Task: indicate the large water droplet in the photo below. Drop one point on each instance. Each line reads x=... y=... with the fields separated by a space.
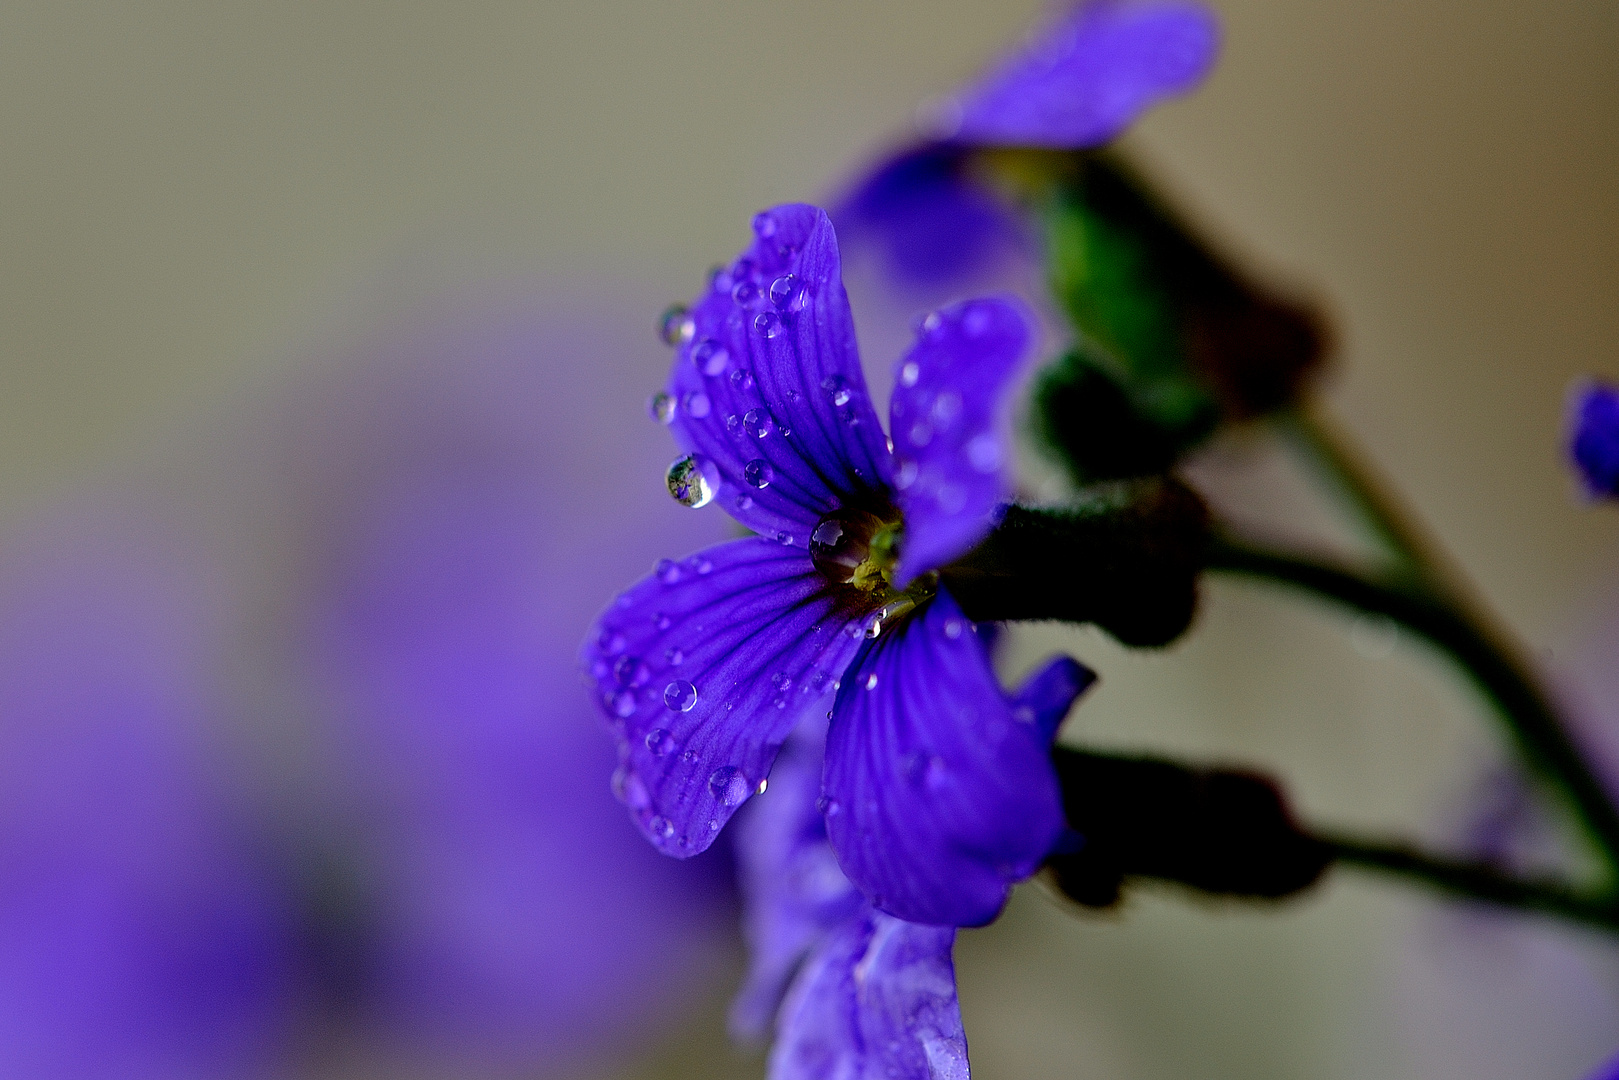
x=680 y=696
x=659 y=742
x=842 y=541
x=693 y=480
x=783 y=291
x=676 y=326
x=757 y=423
x=709 y=356
x=661 y=407
x=758 y=473
x=729 y=786
x=767 y=323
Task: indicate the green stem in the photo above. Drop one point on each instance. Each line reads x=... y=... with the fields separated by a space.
x=1494 y=670
x=1476 y=881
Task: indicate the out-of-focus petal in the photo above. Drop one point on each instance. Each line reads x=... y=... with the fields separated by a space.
x=1594 y=437
x=878 y=1000
x=791 y=885
x=1087 y=76
x=702 y=669
x=1046 y=696
x=1608 y=1071
x=932 y=222
x=951 y=450
x=938 y=799
x=768 y=387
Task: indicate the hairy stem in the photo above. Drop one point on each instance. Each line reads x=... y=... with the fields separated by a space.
x=1493 y=668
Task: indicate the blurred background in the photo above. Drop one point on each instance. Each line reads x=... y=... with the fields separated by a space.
x=327 y=333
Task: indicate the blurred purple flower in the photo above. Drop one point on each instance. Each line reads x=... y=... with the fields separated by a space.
x=1608 y=1071
x=455 y=482
x=143 y=932
x=1076 y=84
x=1593 y=440
x=854 y=992
x=705 y=666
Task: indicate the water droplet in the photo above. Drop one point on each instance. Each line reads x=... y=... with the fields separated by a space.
x=871 y=681
x=622 y=703
x=984 y=453
x=841 y=542
x=768 y=324
x=728 y=784
x=765 y=224
x=760 y=788
x=744 y=502
x=953 y=628
x=610 y=641
x=667 y=571
x=758 y=473
x=629 y=671
x=661 y=407
x=629 y=790
x=674 y=656
x=921 y=433
x=661 y=621
x=733 y=424
x=757 y=422
x=784 y=431
x=660 y=826
x=659 y=742
x=946 y=407
x=680 y=696
x=785 y=539
x=692 y=480
x=676 y=326
x=906 y=474
x=829 y=807
x=780 y=702
x=837 y=389
x=702 y=565
x=709 y=356
x=782 y=681
x=909 y=373
x=786 y=293
x=689 y=757
x=952 y=498
x=697 y=404
x=745 y=292
x=933 y=324
x=742 y=380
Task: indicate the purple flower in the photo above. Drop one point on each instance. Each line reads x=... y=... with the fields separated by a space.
x=854 y=992
x=1076 y=85
x=706 y=665
x=1593 y=442
x=1609 y=1070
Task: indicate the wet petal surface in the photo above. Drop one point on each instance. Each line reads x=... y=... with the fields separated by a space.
x=1049 y=692
x=952 y=447
x=937 y=797
x=877 y=1000
x=1088 y=75
x=793 y=892
x=766 y=384
x=702 y=669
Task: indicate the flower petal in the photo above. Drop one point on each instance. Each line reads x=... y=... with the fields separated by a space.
x=877 y=1000
x=938 y=798
x=951 y=451
x=1593 y=442
x=793 y=892
x=931 y=221
x=768 y=387
x=702 y=669
x=1046 y=696
x=1087 y=76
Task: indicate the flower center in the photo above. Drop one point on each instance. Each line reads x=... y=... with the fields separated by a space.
x=854 y=547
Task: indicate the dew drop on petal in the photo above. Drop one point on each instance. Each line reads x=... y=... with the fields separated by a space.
x=659 y=742
x=667 y=571
x=759 y=789
x=782 y=290
x=629 y=671
x=733 y=424
x=757 y=423
x=837 y=389
x=744 y=502
x=921 y=433
x=946 y=407
x=676 y=326
x=765 y=224
x=729 y=786
x=953 y=628
x=674 y=656
x=709 y=356
x=742 y=380
x=693 y=480
x=661 y=621
x=910 y=373
x=905 y=475
x=758 y=473
x=660 y=827
x=697 y=405
x=661 y=407
x=622 y=703
x=767 y=323
x=745 y=292
x=871 y=681
x=984 y=453
x=702 y=565
x=680 y=696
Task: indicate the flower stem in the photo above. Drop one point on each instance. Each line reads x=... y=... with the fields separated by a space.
x=1494 y=669
x=1475 y=880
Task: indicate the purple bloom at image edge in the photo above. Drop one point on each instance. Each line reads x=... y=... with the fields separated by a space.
x=703 y=668
x=1077 y=84
x=853 y=992
x=1593 y=442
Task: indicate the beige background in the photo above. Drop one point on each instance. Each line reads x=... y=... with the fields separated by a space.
x=194 y=196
